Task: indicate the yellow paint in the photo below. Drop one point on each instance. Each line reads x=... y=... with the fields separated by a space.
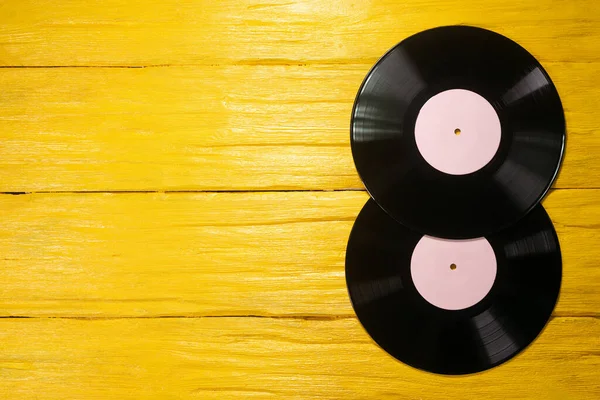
x=157 y=32
x=240 y=358
x=240 y=95
x=223 y=128
x=201 y=254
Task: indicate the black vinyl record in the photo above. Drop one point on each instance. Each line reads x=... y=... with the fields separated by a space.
x=473 y=193
x=386 y=287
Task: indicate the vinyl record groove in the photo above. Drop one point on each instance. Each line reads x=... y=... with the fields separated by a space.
x=490 y=304
x=457 y=132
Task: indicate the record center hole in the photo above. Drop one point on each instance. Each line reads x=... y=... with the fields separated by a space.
x=456 y=132
x=452 y=267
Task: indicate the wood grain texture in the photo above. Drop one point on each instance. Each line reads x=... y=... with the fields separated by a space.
x=219 y=254
x=241 y=295
x=240 y=358
x=216 y=128
x=150 y=32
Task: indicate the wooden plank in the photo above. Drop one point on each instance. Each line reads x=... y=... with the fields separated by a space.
x=150 y=32
x=233 y=358
x=219 y=254
x=216 y=128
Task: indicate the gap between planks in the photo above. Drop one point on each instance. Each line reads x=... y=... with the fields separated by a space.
x=103 y=318
x=185 y=191
x=257 y=316
x=246 y=63
x=241 y=63
x=219 y=191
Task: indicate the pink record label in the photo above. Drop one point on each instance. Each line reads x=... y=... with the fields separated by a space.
x=453 y=274
x=457 y=132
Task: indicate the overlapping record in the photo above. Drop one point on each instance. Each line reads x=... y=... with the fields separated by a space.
x=457 y=132
x=452 y=306
x=453 y=266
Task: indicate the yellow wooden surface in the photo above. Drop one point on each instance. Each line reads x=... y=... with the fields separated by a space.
x=217 y=127
x=258 y=32
x=239 y=358
x=205 y=254
x=147 y=294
